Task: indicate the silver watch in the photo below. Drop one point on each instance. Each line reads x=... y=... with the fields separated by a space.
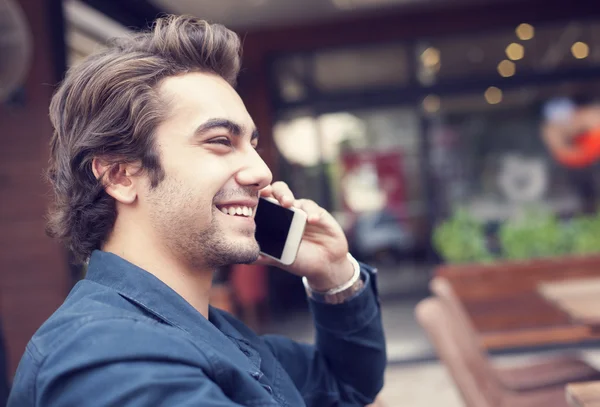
x=339 y=294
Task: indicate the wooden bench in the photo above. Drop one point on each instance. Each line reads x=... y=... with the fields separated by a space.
x=503 y=301
x=584 y=394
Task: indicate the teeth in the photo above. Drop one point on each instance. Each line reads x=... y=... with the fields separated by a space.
x=238 y=210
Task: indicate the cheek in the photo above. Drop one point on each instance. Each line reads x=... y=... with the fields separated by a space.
x=208 y=178
x=204 y=174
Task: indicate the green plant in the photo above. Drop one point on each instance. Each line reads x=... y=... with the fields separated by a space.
x=536 y=234
x=585 y=234
x=461 y=239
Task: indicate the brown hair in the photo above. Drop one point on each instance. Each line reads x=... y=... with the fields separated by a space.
x=108 y=107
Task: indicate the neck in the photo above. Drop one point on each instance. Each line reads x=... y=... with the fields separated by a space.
x=138 y=247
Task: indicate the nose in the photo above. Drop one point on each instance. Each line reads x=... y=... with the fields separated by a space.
x=254 y=171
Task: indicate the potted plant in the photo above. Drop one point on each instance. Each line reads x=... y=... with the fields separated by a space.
x=535 y=234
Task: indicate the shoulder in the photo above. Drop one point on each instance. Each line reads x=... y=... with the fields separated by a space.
x=87 y=307
x=95 y=348
x=122 y=337
x=98 y=323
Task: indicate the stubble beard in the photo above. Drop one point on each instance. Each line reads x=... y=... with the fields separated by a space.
x=200 y=247
x=211 y=247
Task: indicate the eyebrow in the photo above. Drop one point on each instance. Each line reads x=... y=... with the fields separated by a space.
x=232 y=127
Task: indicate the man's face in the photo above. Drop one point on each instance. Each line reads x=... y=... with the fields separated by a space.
x=207 y=147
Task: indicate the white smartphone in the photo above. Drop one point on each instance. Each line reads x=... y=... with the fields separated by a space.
x=279 y=230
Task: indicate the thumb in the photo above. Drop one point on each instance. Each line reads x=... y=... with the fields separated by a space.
x=266 y=261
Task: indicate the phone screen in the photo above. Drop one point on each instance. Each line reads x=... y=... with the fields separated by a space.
x=273 y=224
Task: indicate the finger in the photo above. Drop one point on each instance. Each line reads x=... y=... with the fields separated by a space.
x=316 y=218
x=267 y=191
x=319 y=217
x=313 y=211
x=265 y=261
x=283 y=193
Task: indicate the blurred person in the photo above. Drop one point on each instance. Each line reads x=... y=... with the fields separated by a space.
x=572 y=134
x=152 y=146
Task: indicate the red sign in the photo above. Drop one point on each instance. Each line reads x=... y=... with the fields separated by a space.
x=371 y=177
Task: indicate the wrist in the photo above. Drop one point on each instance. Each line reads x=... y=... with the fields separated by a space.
x=338 y=274
x=340 y=292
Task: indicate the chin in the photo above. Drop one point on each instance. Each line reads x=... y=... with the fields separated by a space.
x=247 y=260
x=244 y=257
x=215 y=248
x=245 y=252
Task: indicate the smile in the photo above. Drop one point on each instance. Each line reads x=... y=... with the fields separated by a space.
x=245 y=211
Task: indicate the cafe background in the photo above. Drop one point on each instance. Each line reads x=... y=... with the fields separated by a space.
x=397 y=135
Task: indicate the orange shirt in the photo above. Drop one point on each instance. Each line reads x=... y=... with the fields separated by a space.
x=587 y=150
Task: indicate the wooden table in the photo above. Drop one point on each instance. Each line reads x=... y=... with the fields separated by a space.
x=579 y=298
x=584 y=394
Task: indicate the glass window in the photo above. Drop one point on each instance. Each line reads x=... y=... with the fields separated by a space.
x=291 y=75
x=360 y=68
x=464 y=127
x=491 y=156
x=366 y=165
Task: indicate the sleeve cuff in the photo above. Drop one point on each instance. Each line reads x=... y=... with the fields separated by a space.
x=354 y=314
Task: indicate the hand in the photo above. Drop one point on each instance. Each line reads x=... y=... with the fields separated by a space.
x=322 y=253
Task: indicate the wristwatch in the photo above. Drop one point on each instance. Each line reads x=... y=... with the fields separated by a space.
x=339 y=294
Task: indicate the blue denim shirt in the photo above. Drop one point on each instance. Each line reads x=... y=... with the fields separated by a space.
x=124 y=338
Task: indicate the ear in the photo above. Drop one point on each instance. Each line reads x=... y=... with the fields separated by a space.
x=118 y=179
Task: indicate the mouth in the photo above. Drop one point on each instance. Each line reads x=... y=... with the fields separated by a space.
x=244 y=211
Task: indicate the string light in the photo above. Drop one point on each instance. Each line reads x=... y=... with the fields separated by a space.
x=493 y=95
x=580 y=50
x=431 y=57
x=515 y=51
x=525 y=31
x=506 y=68
x=431 y=103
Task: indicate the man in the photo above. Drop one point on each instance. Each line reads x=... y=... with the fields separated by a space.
x=151 y=145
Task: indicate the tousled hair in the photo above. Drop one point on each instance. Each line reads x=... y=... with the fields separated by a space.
x=108 y=107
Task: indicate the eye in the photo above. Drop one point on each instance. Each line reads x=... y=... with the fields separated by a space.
x=225 y=141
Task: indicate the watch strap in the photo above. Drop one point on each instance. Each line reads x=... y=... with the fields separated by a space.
x=339 y=294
